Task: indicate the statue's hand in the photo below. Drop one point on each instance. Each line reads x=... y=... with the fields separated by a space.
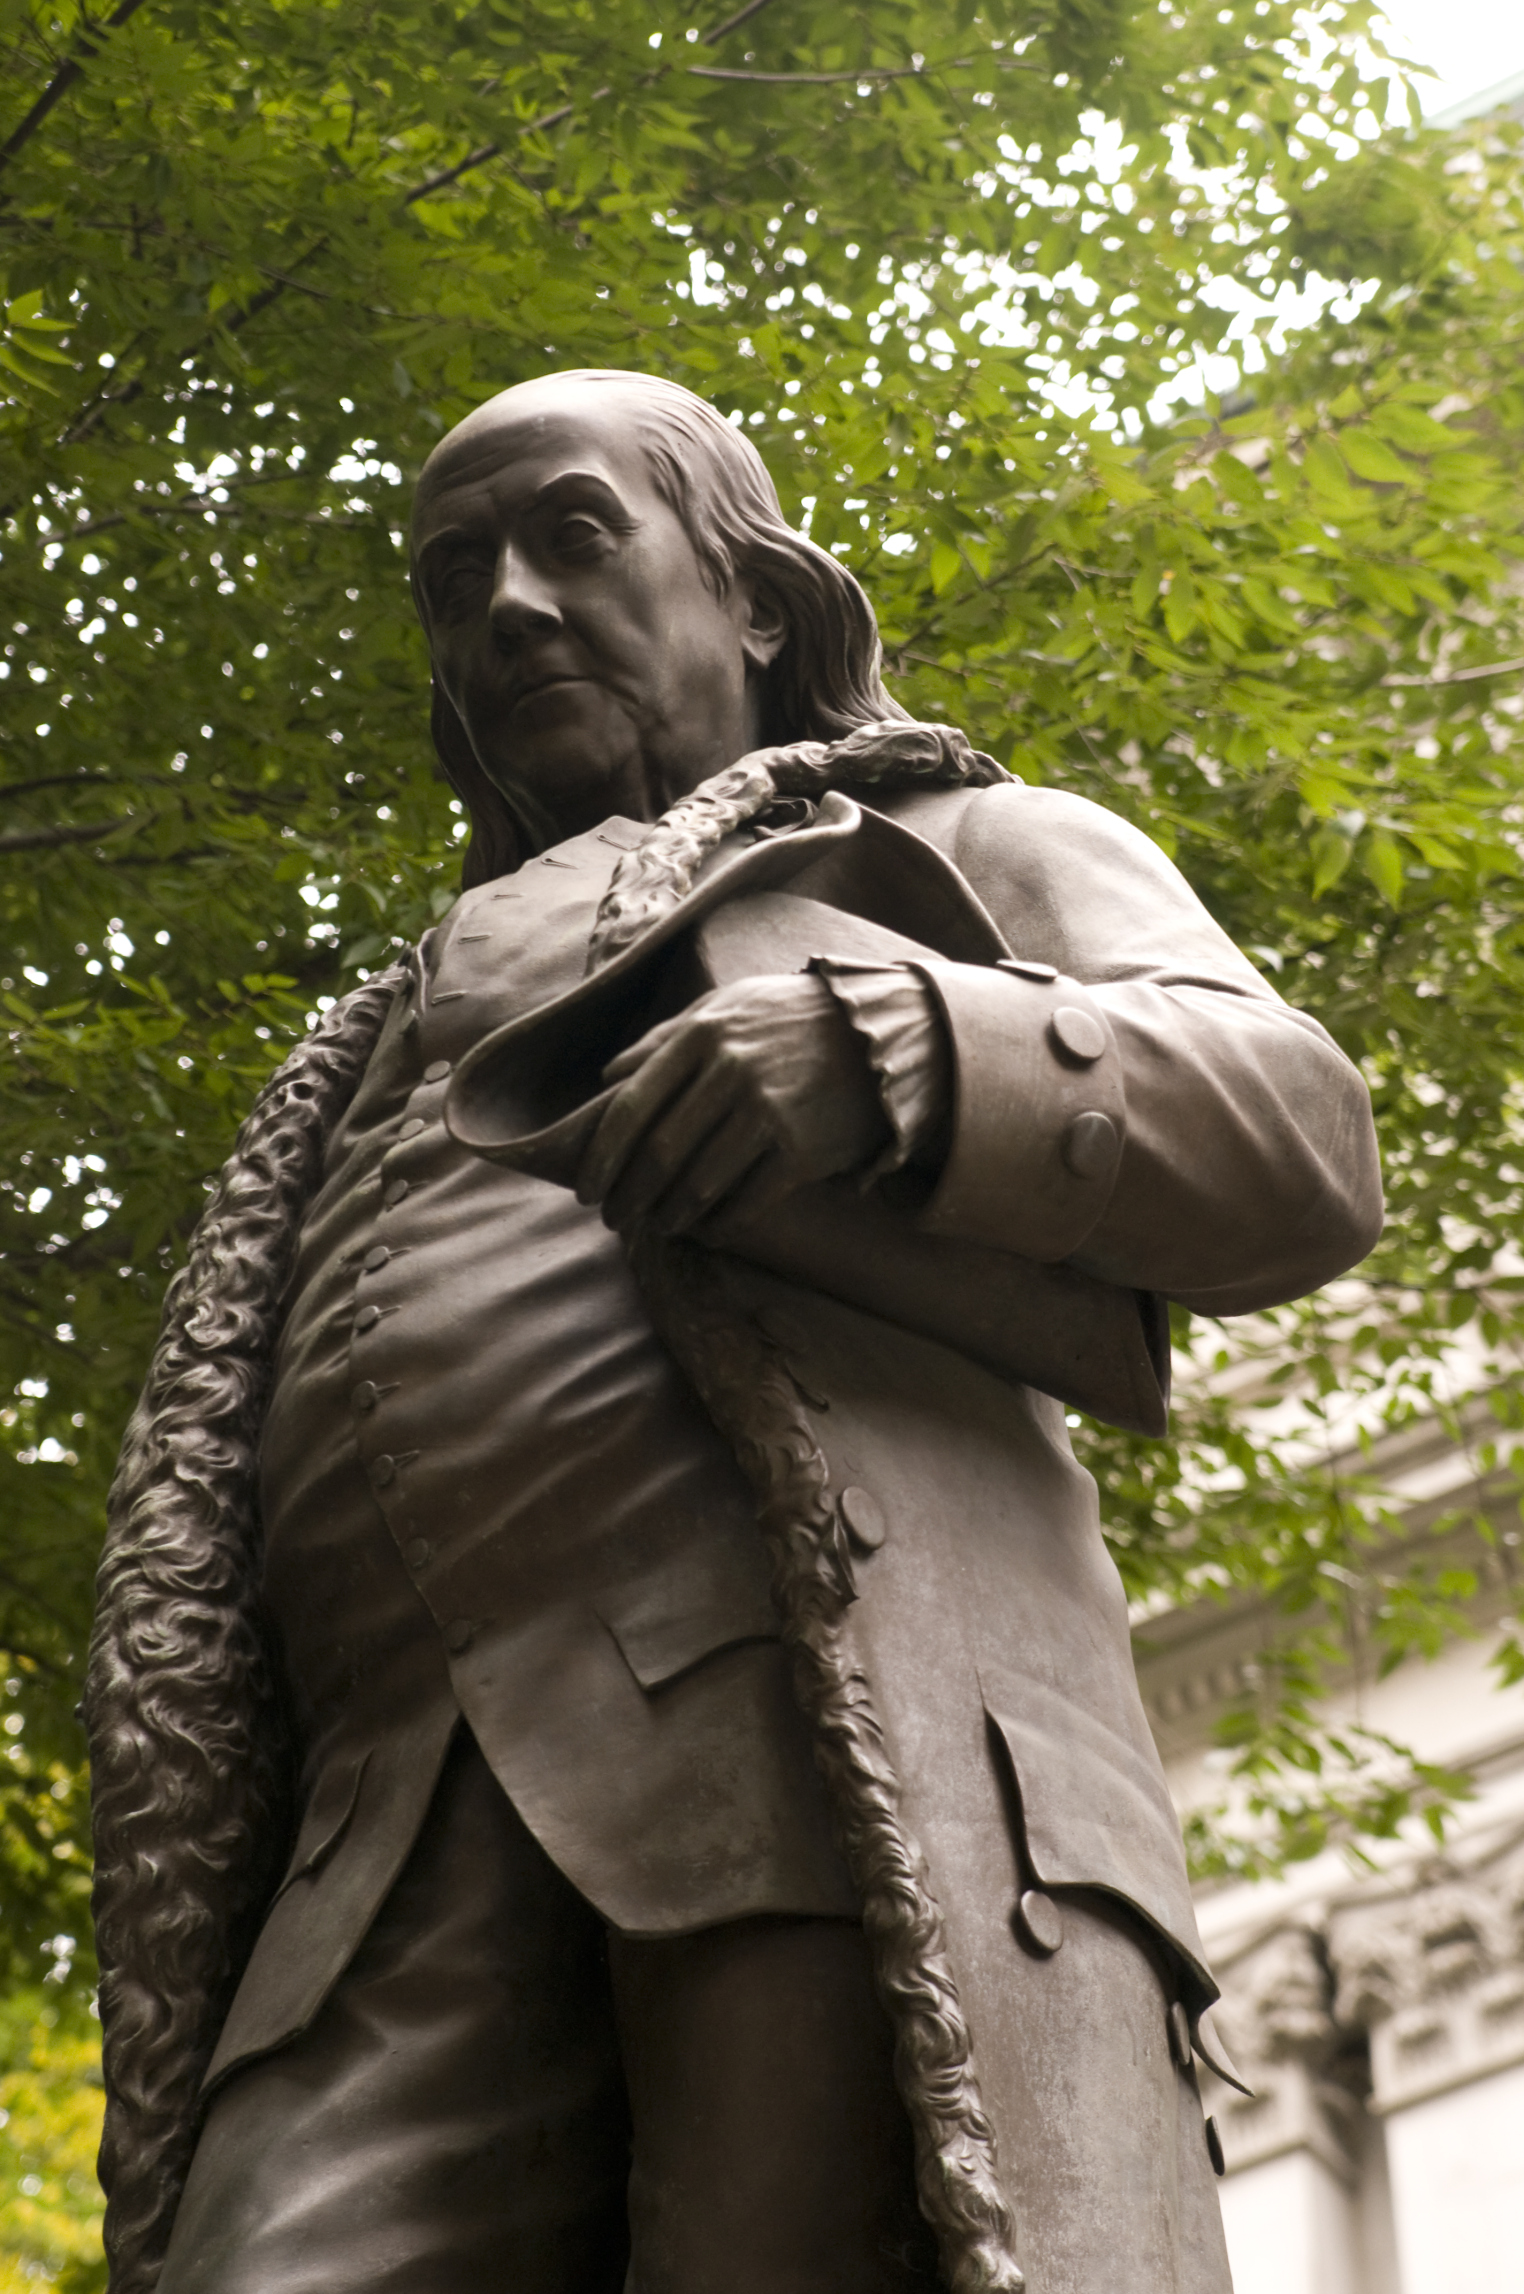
x=755 y=1090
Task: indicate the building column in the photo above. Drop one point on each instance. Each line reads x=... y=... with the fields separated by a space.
x=1290 y=2198
x=1435 y=1974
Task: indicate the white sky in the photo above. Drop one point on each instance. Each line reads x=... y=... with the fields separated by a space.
x=1467 y=44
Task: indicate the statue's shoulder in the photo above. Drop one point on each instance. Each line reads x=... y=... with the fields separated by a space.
x=1050 y=830
x=1064 y=878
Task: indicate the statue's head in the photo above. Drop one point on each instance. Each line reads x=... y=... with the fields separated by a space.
x=616 y=609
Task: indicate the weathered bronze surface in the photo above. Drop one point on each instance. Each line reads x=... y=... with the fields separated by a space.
x=617 y=1757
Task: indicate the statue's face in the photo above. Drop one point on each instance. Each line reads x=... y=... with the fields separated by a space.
x=592 y=668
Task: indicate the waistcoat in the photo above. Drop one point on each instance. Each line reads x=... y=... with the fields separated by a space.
x=488 y=1491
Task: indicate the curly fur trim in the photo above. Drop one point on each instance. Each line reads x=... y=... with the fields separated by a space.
x=182 y=1703
x=651 y=879
x=744 y=1382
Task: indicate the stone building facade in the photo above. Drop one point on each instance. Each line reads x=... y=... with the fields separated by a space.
x=1378 y=2013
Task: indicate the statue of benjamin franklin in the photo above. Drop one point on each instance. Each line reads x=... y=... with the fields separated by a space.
x=618 y=1765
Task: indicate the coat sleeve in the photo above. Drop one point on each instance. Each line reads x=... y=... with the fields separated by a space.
x=1130 y=1096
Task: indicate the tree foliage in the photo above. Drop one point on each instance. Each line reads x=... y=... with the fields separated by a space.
x=50 y=2125
x=954 y=268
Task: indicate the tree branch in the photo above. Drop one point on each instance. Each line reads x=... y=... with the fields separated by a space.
x=64 y=78
x=864 y=72
x=734 y=23
x=486 y=151
x=232 y=325
x=48 y=839
x=10 y=791
x=814 y=79
x=35 y=1657
x=1456 y=676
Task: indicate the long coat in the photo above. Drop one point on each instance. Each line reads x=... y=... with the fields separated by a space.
x=625 y=1674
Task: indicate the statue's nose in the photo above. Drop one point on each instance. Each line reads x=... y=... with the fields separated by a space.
x=523 y=601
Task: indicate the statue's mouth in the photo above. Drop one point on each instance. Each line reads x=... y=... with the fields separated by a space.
x=556 y=681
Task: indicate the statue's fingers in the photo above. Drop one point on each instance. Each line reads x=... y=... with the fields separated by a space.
x=658 y=1159
x=638 y=1103
x=635 y=1055
x=718 y=1167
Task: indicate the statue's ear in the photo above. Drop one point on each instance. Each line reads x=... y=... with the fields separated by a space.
x=494 y=848
x=765 y=630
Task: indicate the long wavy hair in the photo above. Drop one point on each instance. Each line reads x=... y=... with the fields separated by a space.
x=826 y=680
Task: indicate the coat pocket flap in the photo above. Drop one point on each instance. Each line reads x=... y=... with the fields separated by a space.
x=667 y=1624
x=1095 y=1810
x=327 y=1818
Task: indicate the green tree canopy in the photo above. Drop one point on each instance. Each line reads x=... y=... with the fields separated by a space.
x=957 y=270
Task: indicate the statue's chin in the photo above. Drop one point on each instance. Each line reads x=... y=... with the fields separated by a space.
x=567 y=758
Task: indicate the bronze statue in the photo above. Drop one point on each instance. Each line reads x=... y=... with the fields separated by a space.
x=617 y=1757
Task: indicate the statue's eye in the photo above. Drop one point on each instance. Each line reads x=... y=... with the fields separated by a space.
x=577 y=534
x=460 y=579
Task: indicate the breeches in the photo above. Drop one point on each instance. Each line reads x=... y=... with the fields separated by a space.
x=503 y=2097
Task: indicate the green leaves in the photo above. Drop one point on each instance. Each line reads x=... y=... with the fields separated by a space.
x=28 y=345
x=1332 y=852
x=1369 y=458
x=1383 y=865
x=256 y=260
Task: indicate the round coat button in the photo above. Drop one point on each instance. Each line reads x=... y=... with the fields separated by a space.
x=412 y=1127
x=416 y=1552
x=367 y=1318
x=396 y=1193
x=436 y=1071
x=864 y=1517
x=382 y=1471
x=376 y=1258
x=366 y=1395
x=1090 y=1145
x=1214 y=2148
x=1078 y=1033
x=458 y=1635
x=1179 y=2035
x=1041 y=1923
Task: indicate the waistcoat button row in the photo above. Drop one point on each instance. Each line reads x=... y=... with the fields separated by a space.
x=396 y=1193
x=1214 y=2148
x=412 y=1127
x=367 y=1318
x=382 y=1471
x=416 y=1552
x=366 y=1395
x=375 y=1258
x=436 y=1071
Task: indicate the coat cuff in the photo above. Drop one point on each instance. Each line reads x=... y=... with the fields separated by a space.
x=1039 y=1109
x=900 y=1023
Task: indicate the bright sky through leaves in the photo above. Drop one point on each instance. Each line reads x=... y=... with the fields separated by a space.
x=1467 y=45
